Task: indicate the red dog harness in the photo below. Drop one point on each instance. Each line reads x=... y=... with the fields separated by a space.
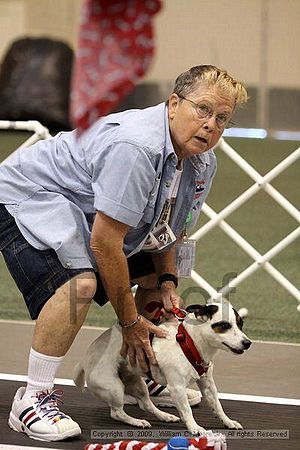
x=182 y=337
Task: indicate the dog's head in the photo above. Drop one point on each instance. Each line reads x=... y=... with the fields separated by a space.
x=221 y=326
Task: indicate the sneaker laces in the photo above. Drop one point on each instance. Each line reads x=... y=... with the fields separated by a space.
x=47 y=403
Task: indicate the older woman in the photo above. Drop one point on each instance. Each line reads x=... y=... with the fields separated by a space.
x=83 y=219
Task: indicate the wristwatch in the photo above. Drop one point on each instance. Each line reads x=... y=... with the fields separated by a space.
x=167 y=277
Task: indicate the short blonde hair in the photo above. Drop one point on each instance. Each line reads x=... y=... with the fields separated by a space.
x=211 y=75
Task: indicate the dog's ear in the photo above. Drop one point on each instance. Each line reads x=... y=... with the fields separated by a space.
x=198 y=310
x=239 y=320
x=202 y=310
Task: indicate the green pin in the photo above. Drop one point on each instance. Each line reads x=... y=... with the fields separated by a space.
x=189 y=217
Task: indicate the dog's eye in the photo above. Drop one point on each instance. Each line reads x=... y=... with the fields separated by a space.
x=221 y=327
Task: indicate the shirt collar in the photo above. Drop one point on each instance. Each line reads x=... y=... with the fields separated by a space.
x=200 y=161
x=169 y=146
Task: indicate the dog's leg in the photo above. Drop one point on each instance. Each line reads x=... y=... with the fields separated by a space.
x=147 y=405
x=114 y=397
x=136 y=386
x=180 y=399
x=209 y=391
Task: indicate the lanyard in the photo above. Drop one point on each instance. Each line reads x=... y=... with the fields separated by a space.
x=170 y=201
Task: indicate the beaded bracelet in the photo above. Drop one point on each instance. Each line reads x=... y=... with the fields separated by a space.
x=129 y=325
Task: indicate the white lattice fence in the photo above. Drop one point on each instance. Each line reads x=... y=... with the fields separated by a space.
x=218 y=219
x=38 y=130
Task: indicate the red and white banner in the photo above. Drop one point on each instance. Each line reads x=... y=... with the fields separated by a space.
x=115 y=50
x=211 y=441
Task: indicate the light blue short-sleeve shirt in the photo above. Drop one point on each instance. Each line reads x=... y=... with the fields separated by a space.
x=122 y=166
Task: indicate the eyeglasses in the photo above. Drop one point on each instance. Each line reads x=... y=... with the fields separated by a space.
x=205 y=112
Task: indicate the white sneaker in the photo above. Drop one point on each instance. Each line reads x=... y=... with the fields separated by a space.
x=39 y=417
x=160 y=395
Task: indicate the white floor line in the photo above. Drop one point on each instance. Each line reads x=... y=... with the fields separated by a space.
x=260 y=399
x=222 y=396
x=295 y=344
x=23 y=379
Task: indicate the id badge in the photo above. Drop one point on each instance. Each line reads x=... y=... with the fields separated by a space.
x=185 y=258
x=161 y=237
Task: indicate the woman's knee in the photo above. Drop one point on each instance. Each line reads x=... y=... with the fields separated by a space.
x=84 y=286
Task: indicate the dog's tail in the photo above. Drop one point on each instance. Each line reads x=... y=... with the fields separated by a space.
x=79 y=376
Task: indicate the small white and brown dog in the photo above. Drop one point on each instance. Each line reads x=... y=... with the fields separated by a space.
x=205 y=330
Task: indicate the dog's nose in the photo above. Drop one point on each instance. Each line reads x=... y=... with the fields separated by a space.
x=246 y=343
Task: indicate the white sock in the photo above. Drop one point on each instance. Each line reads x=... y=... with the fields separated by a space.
x=41 y=372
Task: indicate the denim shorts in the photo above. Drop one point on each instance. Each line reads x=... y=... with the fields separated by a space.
x=39 y=273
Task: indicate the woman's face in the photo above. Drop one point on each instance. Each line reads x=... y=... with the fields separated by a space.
x=191 y=133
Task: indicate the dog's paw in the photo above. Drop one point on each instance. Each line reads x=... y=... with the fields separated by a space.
x=232 y=424
x=141 y=423
x=145 y=424
x=170 y=418
x=197 y=431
